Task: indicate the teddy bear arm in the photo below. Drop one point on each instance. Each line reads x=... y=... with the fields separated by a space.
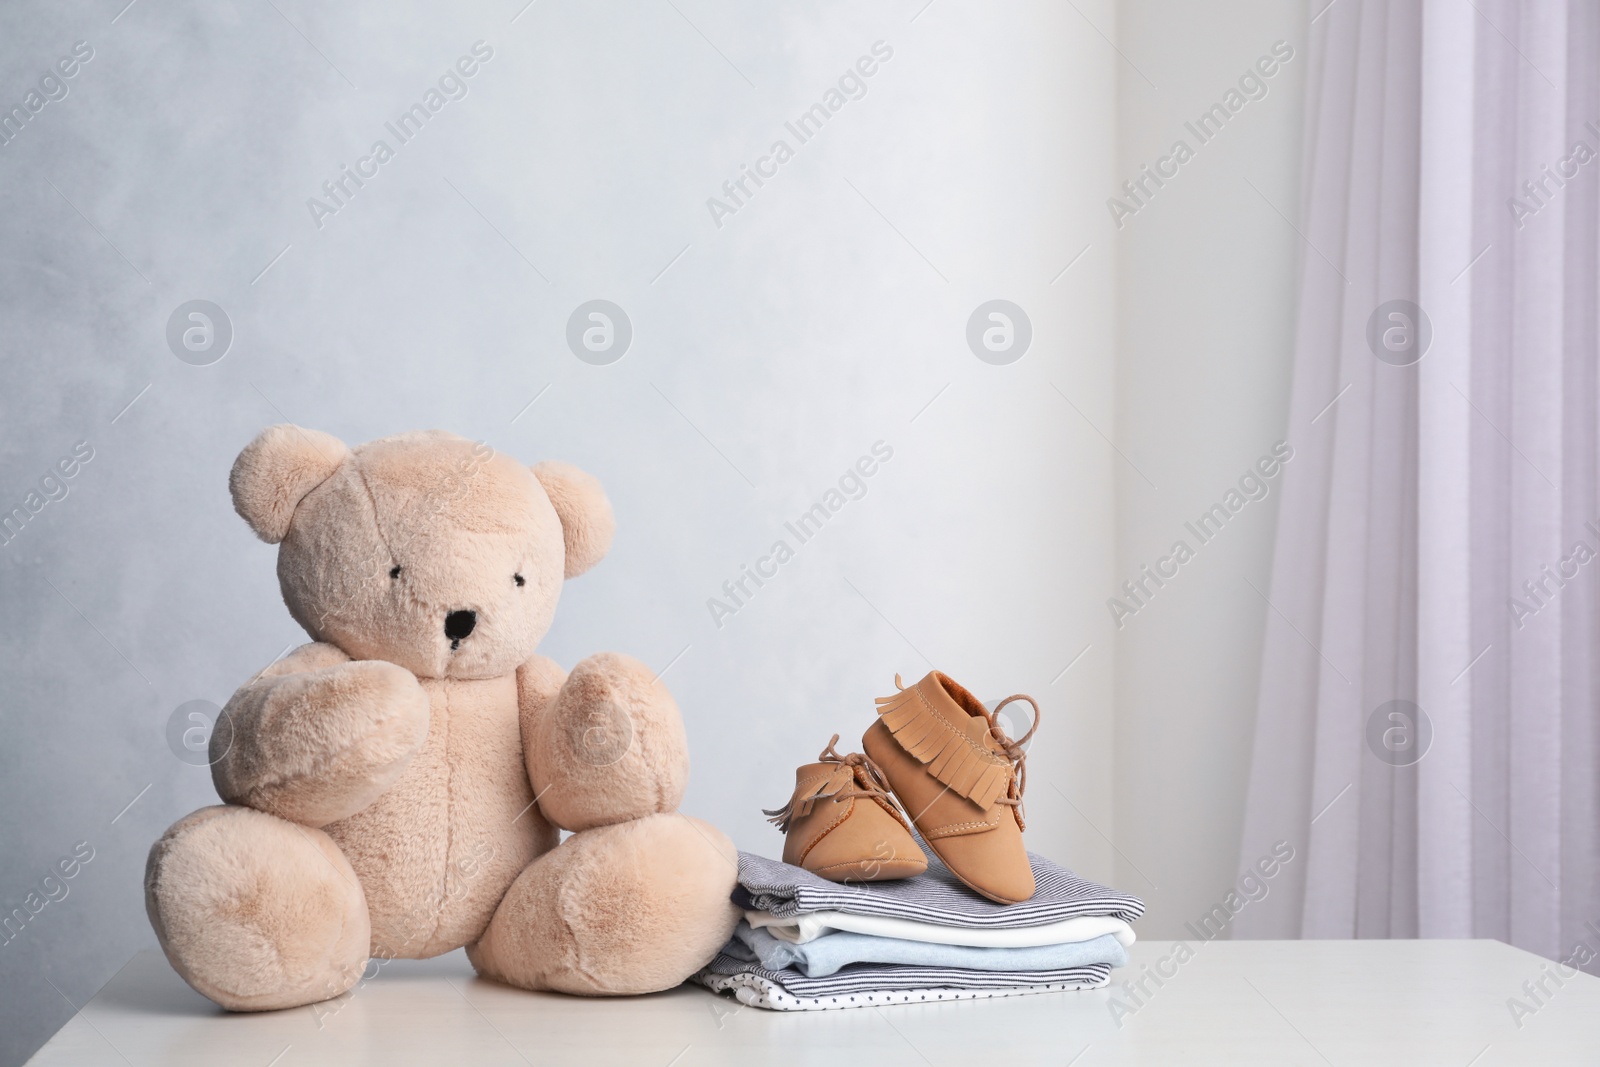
x=318 y=737
x=609 y=747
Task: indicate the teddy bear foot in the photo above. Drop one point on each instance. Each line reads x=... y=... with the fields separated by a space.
x=634 y=907
x=255 y=912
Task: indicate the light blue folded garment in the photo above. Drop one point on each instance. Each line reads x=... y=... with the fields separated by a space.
x=825 y=955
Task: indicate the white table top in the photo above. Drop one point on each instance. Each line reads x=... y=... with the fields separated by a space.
x=1248 y=1002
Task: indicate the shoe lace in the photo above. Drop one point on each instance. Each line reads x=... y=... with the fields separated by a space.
x=867 y=782
x=870 y=780
x=1016 y=751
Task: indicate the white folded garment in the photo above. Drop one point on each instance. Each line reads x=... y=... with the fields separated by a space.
x=799 y=929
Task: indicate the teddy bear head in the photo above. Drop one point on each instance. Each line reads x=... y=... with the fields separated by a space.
x=423 y=549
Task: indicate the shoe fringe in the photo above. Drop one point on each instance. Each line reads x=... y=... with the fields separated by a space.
x=969 y=770
x=800 y=805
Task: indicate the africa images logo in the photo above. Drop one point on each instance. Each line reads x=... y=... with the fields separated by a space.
x=341 y=189
x=53 y=87
x=1139 y=190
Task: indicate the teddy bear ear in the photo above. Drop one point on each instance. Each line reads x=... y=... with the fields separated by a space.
x=586 y=519
x=276 y=471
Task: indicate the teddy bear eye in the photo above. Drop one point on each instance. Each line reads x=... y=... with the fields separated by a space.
x=519 y=579
x=394 y=572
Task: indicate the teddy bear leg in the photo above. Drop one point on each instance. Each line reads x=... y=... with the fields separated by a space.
x=255 y=912
x=634 y=907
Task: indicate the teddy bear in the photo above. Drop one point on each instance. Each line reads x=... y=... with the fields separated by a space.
x=396 y=788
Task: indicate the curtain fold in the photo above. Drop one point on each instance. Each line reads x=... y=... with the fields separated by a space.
x=1434 y=547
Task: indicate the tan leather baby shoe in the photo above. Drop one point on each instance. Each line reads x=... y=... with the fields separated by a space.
x=843 y=825
x=961 y=780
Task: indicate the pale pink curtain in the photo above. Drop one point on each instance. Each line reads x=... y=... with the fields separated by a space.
x=1427 y=494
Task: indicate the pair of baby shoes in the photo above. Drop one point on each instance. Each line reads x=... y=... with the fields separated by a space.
x=951 y=768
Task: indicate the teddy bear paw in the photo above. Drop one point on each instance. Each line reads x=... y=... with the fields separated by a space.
x=610 y=747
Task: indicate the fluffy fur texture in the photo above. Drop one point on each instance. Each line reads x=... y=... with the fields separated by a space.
x=586 y=519
x=276 y=471
x=612 y=747
x=378 y=779
x=318 y=737
x=615 y=909
x=412 y=528
x=256 y=912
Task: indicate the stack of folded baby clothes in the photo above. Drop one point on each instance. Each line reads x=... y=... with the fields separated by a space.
x=865 y=911
x=806 y=942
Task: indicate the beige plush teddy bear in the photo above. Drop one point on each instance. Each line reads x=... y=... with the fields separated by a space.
x=395 y=787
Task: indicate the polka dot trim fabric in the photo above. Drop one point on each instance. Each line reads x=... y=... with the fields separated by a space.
x=759 y=992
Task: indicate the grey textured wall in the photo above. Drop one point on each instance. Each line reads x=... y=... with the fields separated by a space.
x=1206 y=285
x=826 y=312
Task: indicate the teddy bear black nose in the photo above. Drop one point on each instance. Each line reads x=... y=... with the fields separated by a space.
x=458 y=624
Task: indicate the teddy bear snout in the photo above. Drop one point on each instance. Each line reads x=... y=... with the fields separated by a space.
x=458 y=625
